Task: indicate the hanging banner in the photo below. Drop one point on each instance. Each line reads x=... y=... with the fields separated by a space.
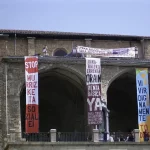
x=143 y=102
x=93 y=82
x=31 y=78
x=120 y=52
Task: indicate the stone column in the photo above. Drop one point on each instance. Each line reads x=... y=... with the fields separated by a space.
x=31 y=46
x=53 y=135
x=12 y=100
x=141 y=51
x=107 y=123
x=136 y=135
x=95 y=135
x=12 y=137
x=147 y=49
x=104 y=86
x=88 y=42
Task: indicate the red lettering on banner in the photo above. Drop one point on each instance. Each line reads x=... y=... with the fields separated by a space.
x=31 y=99
x=30 y=77
x=31 y=65
x=30 y=91
x=31 y=84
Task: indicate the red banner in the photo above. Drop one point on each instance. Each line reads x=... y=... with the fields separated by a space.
x=31 y=78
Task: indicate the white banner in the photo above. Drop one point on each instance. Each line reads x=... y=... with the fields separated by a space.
x=93 y=71
x=120 y=52
x=31 y=78
x=93 y=81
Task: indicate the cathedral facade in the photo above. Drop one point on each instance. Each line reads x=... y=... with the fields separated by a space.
x=62 y=86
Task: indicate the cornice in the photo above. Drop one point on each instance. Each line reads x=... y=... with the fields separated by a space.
x=81 y=61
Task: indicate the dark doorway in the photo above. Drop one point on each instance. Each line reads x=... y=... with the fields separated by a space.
x=60 y=52
x=122 y=103
x=61 y=104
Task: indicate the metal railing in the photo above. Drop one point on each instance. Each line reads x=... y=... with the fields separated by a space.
x=37 y=137
x=122 y=136
x=74 y=136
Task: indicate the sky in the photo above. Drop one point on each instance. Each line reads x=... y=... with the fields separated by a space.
x=128 y=17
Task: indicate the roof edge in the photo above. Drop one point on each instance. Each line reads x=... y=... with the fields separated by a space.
x=57 y=33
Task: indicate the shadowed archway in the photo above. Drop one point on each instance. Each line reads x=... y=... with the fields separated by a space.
x=61 y=102
x=122 y=103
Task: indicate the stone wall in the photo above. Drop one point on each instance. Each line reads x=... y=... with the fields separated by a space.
x=12 y=74
x=147 y=49
x=77 y=146
x=16 y=77
x=2 y=104
x=31 y=45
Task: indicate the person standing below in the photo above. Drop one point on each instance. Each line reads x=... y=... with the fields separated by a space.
x=130 y=137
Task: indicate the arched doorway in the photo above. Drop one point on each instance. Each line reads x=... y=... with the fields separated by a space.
x=122 y=103
x=61 y=102
x=60 y=52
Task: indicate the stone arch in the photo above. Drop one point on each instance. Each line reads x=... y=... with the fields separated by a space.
x=61 y=50
x=121 y=101
x=68 y=74
x=44 y=68
x=115 y=76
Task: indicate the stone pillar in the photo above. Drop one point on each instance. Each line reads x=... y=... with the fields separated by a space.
x=31 y=46
x=95 y=135
x=53 y=135
x=141 y=51
x=107 y=122
x=136 y=135
x=12 y=137
x=88 y=42
x=146 y=49
x=104 y=86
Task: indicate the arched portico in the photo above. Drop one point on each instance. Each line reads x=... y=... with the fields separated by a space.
x=61 y=101
x=121 y=101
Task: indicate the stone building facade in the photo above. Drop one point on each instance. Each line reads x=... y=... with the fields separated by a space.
x=15 y=44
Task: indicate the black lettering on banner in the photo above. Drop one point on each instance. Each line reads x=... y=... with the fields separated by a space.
x=140 y=82
x=143 y=111
x=31 y=116
x=142 y=90
x=31 y=123
x=142 y=117
x=142 y=104
x=141 y=97
x=93 y=78
x=31 y=108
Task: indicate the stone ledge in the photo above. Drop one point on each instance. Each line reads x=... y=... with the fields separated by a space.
x=125 y=62
x=78 y=143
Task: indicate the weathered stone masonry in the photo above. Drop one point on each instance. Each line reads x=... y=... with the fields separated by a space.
x=30 y=43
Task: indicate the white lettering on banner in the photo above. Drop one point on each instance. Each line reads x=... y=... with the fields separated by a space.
x=32 y=110
x=94 y=103
x=98 y=104
x=32 y=64
x=31 y=77
x=90 y=103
